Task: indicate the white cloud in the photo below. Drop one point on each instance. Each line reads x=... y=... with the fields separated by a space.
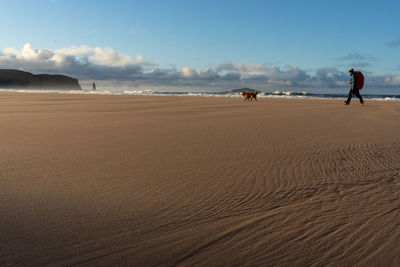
x=98 y=56
x=27 y=53
x=272 y=75
x=97 y=63
x=189 y=73
x=392 y=80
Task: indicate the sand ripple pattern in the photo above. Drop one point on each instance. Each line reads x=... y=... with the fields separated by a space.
x=162 y=181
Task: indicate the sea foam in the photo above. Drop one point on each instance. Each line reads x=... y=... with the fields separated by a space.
x=261 y=94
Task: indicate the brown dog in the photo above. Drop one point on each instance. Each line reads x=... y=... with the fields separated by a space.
x=250 y=96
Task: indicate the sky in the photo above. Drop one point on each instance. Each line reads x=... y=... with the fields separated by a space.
x=216 y=45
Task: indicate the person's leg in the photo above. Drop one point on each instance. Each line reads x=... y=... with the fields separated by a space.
x=360 y=97
x=349 y=97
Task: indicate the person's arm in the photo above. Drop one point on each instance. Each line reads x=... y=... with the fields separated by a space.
x=353 y=81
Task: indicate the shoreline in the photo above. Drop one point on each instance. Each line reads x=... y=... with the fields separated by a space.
x=262 y=95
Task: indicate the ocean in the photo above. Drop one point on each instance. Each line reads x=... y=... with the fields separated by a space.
x=274 y=94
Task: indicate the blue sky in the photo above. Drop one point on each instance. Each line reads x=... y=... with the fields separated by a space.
x=206 y=44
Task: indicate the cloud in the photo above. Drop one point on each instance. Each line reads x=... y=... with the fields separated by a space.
x=392 y=80
x=98 y=57
x=189 y=73
x=330 y=77
x=363 y=64
x=83 y=62
x=113 y=68
x=394 y=43
x=356 y=56
x=269 y=75
x=357 y=60
x=386 y=80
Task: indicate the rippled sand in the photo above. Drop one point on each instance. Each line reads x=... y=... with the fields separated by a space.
x=135 y=180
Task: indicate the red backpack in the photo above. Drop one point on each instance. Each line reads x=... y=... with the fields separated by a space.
x=359 y=80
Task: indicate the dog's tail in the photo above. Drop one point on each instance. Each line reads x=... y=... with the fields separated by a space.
x=255 y=92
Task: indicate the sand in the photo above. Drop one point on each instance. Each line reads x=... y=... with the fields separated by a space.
x=148 y=180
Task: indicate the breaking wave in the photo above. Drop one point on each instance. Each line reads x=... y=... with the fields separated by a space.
x=274 y=94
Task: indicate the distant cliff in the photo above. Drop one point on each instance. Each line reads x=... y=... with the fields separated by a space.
x=17 y=79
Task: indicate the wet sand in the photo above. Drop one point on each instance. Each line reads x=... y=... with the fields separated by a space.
x=148 y=180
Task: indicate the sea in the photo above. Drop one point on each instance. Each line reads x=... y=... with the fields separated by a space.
x=274 y=94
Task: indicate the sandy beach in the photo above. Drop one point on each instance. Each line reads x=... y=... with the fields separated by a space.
x=155 y=180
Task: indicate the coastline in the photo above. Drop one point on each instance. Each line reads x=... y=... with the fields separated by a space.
x=150 y=180
x=222 y=94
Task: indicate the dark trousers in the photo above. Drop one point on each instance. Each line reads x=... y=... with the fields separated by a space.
x=355 y=92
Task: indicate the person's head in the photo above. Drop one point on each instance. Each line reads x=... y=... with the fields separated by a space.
x=351 y=71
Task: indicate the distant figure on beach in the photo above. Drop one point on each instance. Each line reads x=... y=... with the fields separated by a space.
x=354 y=89
x=94 y=86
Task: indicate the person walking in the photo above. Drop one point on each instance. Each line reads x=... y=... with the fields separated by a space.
x=353 y=89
